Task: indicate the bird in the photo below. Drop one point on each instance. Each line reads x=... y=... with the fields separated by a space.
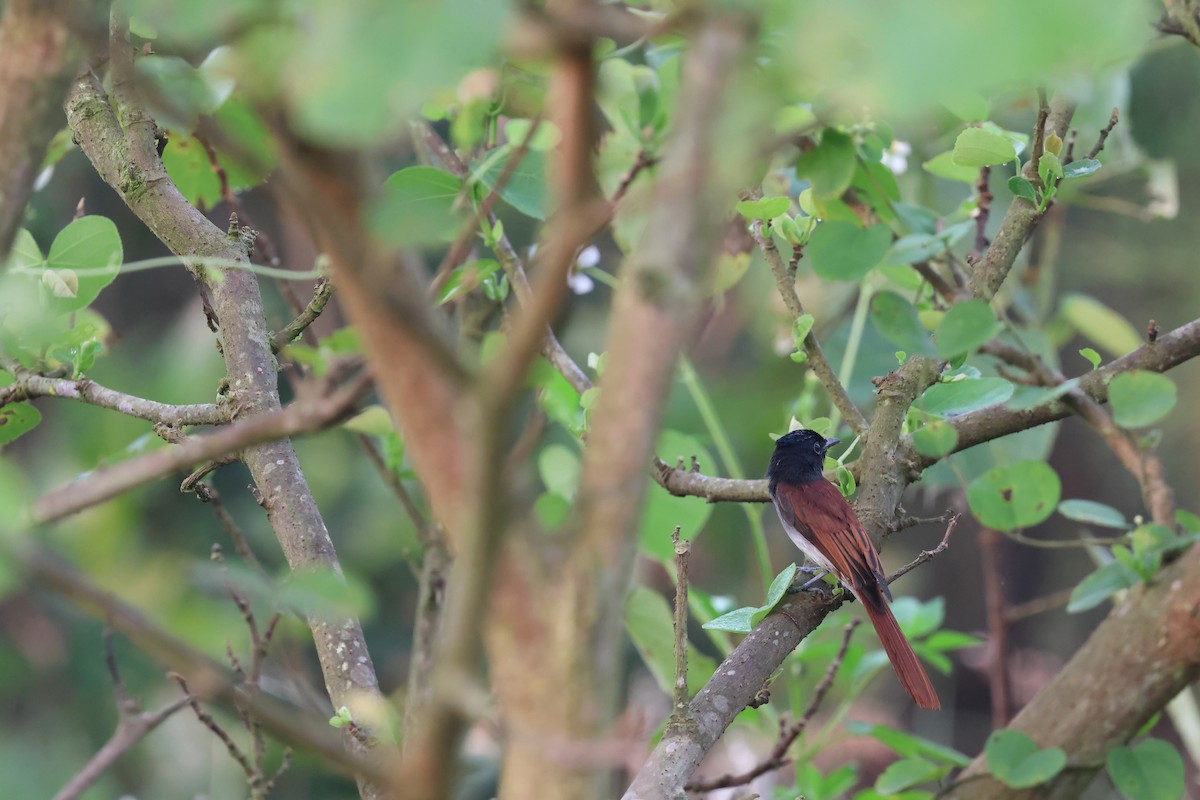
x=825 y=528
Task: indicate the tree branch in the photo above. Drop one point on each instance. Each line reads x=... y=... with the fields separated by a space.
x=733 y=686
x=209 y=679
x=304 y=416
x=127 y=159
x=785 y=282
x=1132 y=665
x=29 y=384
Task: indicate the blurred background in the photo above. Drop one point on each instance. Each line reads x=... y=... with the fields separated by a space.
x=1126 y=239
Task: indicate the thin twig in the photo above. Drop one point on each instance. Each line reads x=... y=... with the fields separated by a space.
x=1037 y=606
x=680 y=696
x=982 y=209
x=926 y=555
x=786 y=284
x=321 y=294
x=206 y=719
x=1104 y=132
x=133 y=725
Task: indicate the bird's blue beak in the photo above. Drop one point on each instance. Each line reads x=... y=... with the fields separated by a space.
x=831 y=442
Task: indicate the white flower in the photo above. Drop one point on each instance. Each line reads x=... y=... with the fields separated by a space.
x=895 y=157
x=578 y=282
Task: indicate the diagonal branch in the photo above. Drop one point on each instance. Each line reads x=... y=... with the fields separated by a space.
x=303 y=416
x=785 y=281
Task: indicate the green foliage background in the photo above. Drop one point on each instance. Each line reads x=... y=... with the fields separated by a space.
x=355 y=72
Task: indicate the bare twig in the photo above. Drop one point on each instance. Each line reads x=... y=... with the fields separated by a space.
x=321 y=294
x=1037 y=606
x=679 y=707
x=927 y=555
x=1104 y=132
x=981 y=213
x=211 y=680
x=133 y=725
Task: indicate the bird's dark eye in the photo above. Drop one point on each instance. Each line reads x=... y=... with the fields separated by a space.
x=817 y=449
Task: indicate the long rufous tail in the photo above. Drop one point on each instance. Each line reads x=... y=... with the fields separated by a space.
x=908 y=669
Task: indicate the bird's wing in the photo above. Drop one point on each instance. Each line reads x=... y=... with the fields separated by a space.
x=816 y=511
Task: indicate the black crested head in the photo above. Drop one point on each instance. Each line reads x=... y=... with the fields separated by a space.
x=798 y=458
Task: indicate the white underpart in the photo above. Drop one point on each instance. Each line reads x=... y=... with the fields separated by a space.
x=808 y=548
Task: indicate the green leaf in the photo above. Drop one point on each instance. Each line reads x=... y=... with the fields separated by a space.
x=1080 y=168
x=830 y=165
x=525 y=189
x=373 y=420
x=743 y=620
x=908 y=772
x=1139 y=398
x=88 y=244
x=896 y=320
x=907 y=744
x=977 y=147
x=1098 y=322
x=465 y=278
x=551 y=510
x=417 y=207
x=842 y=251
x=775 y=592
x=1017 y=761
x=935 y=439
x=17 y=419
x=1093 y=513
x=1021 y=187
x=650 y=623
x=544 y=138
x=966 y=326
x=25 y=252
x=918 y=618
x=951 y=640
x=918 y=219
x=558 y=466
x=1012 y=496
x=736 y=621
x=1049 y=168
x=923 y=246
x=951 y=398
x=1150 y=770
x=943 y=166
x=1187 y=520
x=765 y=209
x=1091 y=355
x=800 y=329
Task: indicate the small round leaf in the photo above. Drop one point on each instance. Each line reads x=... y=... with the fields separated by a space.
x=965 y=327
x=936 y=439
x=1150 y=770
x=1141 y=398
x=1014 y=496
x=842 y=251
